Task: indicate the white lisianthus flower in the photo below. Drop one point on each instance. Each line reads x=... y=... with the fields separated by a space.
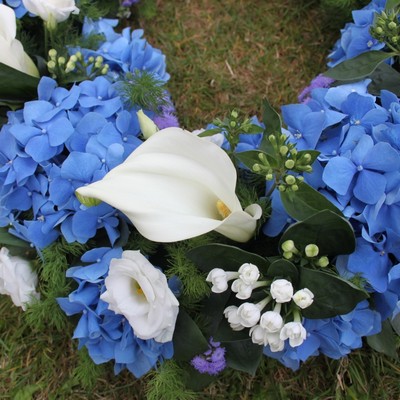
x=147 y=125
x=258 y=335
x=176 y=186
x=281 y=290
x=275 y=342
x=249 y=273
x=303 y=298
x=243 y=291
x=140 y=292
x=271 y=321
x=17 y=279
x=52 y=11
x=249 y=314
x=295 y=332
x=11 y=50
x=219 y=279
x=231 y=314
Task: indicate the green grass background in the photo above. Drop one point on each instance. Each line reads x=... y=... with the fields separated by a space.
x=221 y=54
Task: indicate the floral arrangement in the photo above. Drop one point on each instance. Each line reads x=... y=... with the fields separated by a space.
x=210 y=248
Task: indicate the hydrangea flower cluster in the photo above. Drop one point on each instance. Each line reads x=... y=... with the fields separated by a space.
x=124 y=52
x=63 y=140
x=358 y=170
x=107 y=335
x=355 y=36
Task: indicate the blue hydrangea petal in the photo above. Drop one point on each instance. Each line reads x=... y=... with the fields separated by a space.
x=369 y=187
x=382 y=157
x=40 y=150
x=339 y=173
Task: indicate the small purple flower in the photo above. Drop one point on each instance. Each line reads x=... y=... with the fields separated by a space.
x=211 y=362
x=318 y=82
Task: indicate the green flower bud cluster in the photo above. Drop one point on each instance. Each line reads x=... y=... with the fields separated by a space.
x=386 y=28
x=75 y=67
x=284 y=165
x=234 y=125
x=310 y=256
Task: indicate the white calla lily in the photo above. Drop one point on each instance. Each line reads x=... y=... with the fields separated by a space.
x=176 y=186
x=11 y=50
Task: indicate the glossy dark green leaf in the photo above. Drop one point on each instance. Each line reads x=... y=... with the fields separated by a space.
x=229 y=258
x=332 y=233
x=283 y=269
x=6 y=239
x=332 y=294
x=15 y=85
x=196 y=381
x=384 y=78
x=226 y=334
x=188 y=338
x=385 y=341
x=243 y=355
x=358 y=67
x=271 y=119
x=213 y=311
x=396 y=323
x=305 y=202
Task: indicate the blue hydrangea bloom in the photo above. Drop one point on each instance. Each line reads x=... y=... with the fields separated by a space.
x=106 y=335
x=124 y=52
x=355 y=37
x=65 y=139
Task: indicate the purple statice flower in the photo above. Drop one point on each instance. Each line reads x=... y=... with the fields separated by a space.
x=319 y=81
x=166 y=118
x=211 y=362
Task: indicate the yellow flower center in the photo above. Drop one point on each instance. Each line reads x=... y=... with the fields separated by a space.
x=223 y=209
x=136 y=287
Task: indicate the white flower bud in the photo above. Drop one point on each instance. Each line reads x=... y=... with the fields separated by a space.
x=219 y=279
x=242 y=289
x=271 y=321
x=281 y=290
x=303 y=298
x=311 y=250
x=249 y=314
x=147 y=126
x=231 y=314
x=295 y=332
x=249 y=273
x=258 y=335
x=275 y=342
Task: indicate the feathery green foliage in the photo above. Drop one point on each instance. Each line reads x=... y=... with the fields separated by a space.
x=144 y=89
x=167 y=383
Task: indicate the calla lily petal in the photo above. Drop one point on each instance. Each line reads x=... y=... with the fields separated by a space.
x=176 y=186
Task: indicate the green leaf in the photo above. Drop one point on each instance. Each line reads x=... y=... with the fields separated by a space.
x=15 y=85
x=254 y=129
x=392 y=4
x=188 y=339
x=332 y=233
x=384 y=78
x=229 y=258
x=243 y=355
x=249 y=158
x=305 y=202
x=358 y=67
x=284 y=269
x=226 y=334
x=213 y=311
x=385 y=341
x=271 y=119
x=332 y=294
x=6 y=239
x=396 y=323
x=210 y=132
x=196 y=381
